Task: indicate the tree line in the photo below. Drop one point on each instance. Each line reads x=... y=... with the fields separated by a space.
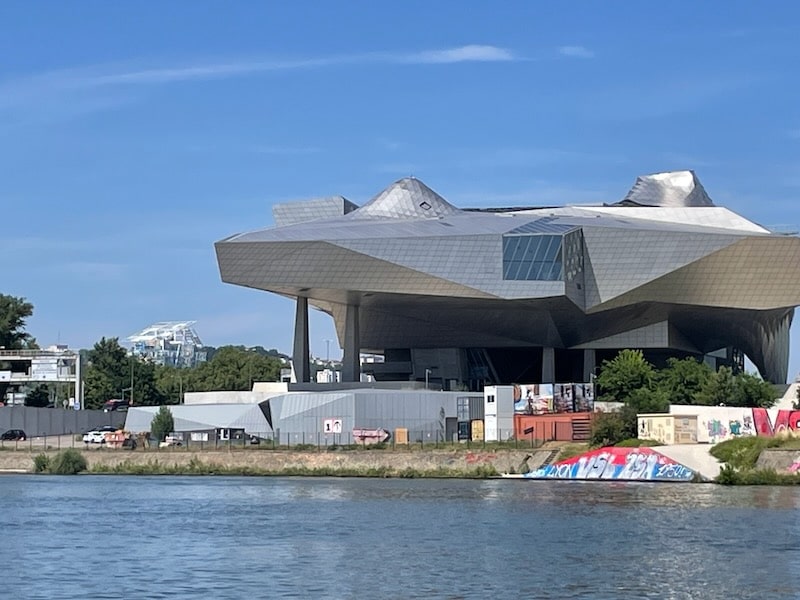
x=641 y=388
x=110 y=372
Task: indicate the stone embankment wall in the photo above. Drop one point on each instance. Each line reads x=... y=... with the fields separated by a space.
x=276 y=461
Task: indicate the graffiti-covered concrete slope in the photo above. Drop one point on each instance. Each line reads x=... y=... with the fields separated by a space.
x=619 y=464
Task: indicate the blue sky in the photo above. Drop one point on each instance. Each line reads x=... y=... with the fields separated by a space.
x=134 y=135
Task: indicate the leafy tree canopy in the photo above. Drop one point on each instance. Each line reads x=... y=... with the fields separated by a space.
x=13 y=313
x=624 y=374
x=683 y=380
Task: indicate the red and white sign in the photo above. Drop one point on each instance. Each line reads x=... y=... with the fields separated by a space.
x=370 y=436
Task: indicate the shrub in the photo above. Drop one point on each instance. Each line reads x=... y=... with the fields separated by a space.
x=607 y=429
x=162 y=424
x=68 y=462
x=41 y=463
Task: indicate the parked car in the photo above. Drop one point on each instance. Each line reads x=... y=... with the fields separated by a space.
x=95 y=437
x=121 y=405
x=14 y=435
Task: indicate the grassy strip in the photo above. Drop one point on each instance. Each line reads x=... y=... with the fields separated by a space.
x=198 y=467
x=741 y=455
x=743 y=452
x=730 y=476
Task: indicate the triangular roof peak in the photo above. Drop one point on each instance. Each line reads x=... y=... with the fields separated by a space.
x=670 y=189
x=407 y=198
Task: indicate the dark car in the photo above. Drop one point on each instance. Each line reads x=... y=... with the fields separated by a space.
x=112 y=405
x=14 y=435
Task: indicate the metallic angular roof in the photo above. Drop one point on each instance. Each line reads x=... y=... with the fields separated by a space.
x=673 y=188
x=407 y=198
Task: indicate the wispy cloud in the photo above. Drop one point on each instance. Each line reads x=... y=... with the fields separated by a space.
x=471 y=53
x=80 y=88
x=575 y=52
x=109 y=75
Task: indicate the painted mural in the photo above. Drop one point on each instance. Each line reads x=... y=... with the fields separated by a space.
x=617 y=464
x=719 y=423
x=545 y=398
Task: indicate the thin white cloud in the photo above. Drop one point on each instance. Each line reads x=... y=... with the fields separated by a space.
x=72 y=92
x=471 y=53
x=99 y=76
x=575 y=52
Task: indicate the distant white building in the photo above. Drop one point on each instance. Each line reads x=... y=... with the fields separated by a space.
x=173 y=343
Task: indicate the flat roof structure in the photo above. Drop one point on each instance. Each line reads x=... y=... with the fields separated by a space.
x=487 y=296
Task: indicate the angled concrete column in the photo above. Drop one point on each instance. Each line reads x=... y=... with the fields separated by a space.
x=589 y=363
x=548 y=365
x=351 y=361
x=302 y=370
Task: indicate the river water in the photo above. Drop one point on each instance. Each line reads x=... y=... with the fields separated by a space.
x=230 y=537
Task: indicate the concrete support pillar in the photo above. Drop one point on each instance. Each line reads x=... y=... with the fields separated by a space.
x=548 y=365
x=351 y=361
x=300 y=352
x=589 y=364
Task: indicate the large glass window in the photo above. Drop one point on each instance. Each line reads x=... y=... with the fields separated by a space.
x=532 y=257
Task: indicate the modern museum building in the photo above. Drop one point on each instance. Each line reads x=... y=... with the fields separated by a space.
x=484 y=296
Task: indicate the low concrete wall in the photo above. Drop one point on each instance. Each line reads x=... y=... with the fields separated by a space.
x=779 y=459
x=268 y=460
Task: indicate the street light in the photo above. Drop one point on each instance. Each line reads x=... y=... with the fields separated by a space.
x=427 y=373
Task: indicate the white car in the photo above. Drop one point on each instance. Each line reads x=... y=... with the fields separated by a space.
x=95 y=437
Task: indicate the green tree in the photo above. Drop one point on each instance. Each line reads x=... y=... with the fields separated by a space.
x=648 y=400
x=171 y=382
x=751 y=390
x=233 y=368
x=111 y=371
x=621 y=376
x=720 y=389
x=107 y=372
x=683 y=380
x=13 y=313
x=145 y=389
x=38 y=396
x=162 y=424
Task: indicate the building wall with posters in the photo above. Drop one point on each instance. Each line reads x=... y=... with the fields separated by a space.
x=488 y=296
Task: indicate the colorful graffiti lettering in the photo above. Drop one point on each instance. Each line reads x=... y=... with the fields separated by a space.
x=784 y=420
x=621 y=464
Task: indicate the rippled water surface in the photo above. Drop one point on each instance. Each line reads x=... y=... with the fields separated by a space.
x=227 y=537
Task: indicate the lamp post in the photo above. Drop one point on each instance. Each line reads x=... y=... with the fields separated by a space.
x=427 y=373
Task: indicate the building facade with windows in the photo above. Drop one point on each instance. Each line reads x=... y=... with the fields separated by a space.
x=464 y=298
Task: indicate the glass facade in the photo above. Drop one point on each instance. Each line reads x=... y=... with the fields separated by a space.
x=532 y=258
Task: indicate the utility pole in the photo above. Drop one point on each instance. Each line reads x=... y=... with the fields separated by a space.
x=130 y=401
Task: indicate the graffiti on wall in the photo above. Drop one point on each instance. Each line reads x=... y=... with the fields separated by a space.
x=620 y=464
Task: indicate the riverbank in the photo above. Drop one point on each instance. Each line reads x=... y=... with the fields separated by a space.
x=364 y=463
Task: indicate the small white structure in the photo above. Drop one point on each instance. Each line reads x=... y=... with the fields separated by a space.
x=498 y=411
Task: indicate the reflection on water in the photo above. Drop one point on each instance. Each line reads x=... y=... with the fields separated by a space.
x=180 y=537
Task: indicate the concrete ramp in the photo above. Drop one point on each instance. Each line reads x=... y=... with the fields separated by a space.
x=694 y=456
